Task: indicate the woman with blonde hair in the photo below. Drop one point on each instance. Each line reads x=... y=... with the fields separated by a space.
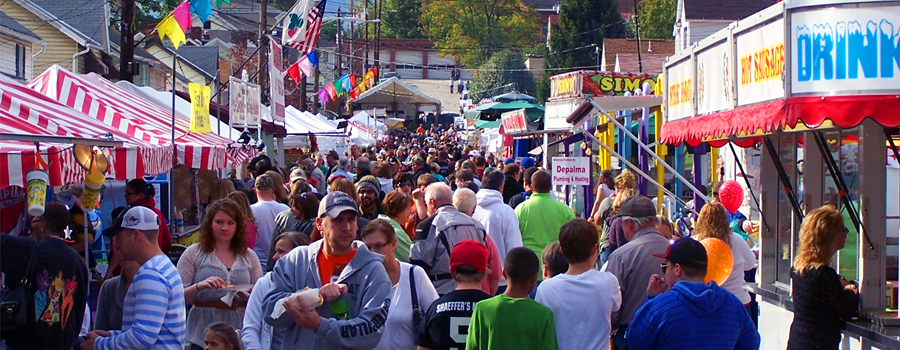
x=280 y=192
x=220 y=258
x=223 y=188
x=344 y=185
x=823 y=300
x=252 y=228
x=614 y=232
x=713 y=223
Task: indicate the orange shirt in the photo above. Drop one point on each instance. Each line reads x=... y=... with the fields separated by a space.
x=330 y=266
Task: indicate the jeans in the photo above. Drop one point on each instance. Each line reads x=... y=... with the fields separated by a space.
x=619 y=340
x=604 y=255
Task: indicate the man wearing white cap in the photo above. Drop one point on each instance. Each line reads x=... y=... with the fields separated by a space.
x=156 y=293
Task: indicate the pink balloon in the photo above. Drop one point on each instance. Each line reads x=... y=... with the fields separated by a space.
x=731 y=195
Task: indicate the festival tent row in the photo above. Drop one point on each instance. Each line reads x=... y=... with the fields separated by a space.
x=182 y=107
x=300 y=124
x=24 y=111
x=365 y=130
x=142 y=119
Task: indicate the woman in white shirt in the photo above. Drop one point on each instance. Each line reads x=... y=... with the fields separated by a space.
x=401 y=325
x=256 y=333
x=713 y=223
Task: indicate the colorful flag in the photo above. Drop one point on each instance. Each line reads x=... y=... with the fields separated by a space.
x=295 y=23
x=332 y=92
x=219 y=3
x=323 y=96
x=305 y=65
x=338 y=87
x=313 y=26
x=353 y=79
x=174 y=25
x=313 y=57
x=202 y=8
x=199 y=108
x=294 y=72
x=354 y=93
x=345 y=82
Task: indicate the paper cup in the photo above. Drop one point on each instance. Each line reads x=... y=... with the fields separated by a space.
x=93 y=181
x=37 y=191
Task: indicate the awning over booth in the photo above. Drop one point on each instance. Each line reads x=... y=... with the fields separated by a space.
x=395 y=91
x=27 y=112
x=107 y=102
x=842 y=111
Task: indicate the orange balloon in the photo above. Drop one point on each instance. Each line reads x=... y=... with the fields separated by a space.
x=719 y=259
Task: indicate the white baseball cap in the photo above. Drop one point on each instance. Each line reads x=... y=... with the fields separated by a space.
x=137 y=218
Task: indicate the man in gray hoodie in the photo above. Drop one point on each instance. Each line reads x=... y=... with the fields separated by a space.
x=351 y=280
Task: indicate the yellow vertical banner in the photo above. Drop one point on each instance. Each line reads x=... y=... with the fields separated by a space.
x=713 y=165
x=199 y=108
x=661 y=151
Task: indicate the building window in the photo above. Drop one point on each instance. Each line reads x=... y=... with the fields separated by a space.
x=142 y=75
x=20 y=61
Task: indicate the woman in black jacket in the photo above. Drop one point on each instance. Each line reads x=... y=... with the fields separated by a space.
x=823 y=300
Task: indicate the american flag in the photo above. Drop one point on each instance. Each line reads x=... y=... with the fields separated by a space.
x=312 y=29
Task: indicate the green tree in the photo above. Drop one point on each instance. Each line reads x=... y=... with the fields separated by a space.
x=145 y=12
x=472 y=30
x=400 y=19
x=576 y=39
x=656 y=18
x=504 y=71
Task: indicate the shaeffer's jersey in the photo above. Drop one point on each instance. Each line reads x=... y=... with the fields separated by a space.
x=446 y=322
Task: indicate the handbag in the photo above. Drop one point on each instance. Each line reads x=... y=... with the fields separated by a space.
x=14 y=303
x=416 y=310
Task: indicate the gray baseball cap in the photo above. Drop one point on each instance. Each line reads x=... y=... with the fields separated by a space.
x=335 y=203
x=637 y=207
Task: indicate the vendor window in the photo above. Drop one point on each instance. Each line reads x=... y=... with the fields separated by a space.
x=844 y=146
x=790 y=154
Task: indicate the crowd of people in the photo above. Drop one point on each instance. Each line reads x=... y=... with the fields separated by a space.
x=414 y=243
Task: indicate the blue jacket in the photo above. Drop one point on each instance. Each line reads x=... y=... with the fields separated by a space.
x=693 y=316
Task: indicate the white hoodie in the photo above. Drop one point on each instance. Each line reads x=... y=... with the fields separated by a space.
x=499 y=220
x=387 y=185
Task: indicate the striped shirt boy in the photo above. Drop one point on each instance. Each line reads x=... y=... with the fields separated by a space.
x=154 y=312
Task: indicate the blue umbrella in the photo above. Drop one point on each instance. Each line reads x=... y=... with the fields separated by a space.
x=514 y=96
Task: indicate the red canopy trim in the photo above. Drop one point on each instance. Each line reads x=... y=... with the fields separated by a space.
x=843 y=111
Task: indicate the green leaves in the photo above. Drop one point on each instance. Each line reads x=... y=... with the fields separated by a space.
x=472 y=30
x=506 y=67
x=656 y=18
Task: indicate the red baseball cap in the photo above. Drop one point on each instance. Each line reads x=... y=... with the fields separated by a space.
x=469 y=252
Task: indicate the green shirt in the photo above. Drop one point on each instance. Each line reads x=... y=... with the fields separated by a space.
x=540 y=218
x=502 y=322
x=403 y=242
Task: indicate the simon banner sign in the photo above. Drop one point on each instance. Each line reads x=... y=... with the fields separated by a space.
x=592 y=83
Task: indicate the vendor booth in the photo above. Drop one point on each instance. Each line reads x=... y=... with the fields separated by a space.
x=395 y=95
x=810 y=89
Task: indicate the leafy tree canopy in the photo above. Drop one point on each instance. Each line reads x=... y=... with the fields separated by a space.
x=145 y=12
x=503 y=72
x=472 y=30
x=656 y=18
x=400 y=19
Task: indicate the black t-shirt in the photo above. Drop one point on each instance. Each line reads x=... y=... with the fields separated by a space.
x=58 y=293
x=446 y=323
x=445 y=168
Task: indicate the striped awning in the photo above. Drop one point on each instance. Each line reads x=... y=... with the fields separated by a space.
x=24 y=111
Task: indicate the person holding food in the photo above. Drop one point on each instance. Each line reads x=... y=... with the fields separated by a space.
x=355 y=290
x=218 y=271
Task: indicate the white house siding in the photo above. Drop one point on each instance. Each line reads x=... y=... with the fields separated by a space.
x=8 y=57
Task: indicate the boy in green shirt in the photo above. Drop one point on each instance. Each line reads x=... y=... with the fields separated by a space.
x=512 y=320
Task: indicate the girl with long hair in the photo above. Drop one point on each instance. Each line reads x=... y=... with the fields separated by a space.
x=280 y=192
x=713 y=223
x=220 y=259
x=251 y=228
x=823 y=300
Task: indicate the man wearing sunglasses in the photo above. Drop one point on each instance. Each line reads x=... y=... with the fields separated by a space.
x=708 y=316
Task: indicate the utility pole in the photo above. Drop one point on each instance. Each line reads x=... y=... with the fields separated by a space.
x=366 y=21
x=263 y=61
x=316 y=89
x=352 y=38
x=126 y=47
x=338 y=57
x=378 y=40
x=637 y=30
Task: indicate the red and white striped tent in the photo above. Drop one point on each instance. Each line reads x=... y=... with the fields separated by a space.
x=123 y=110
x=27 y=112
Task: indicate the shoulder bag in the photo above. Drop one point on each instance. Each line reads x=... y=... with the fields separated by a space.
x=14 y=303
x=416 y=310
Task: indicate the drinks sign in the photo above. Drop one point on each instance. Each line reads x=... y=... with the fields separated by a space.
x=571 y=171
x=848 y=50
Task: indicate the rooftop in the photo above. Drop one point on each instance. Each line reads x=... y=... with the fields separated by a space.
x=730 y=10
x=84 y=19
x=653 y=54
x=13 y=25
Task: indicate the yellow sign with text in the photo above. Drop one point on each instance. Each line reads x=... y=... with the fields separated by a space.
x=199 y=108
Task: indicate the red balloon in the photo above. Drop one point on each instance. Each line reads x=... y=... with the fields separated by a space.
x=731 y=195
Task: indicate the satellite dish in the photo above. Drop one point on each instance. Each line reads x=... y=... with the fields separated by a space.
x=88 y=158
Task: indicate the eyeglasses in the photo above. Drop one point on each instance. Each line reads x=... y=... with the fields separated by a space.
x=376 y=247
x=404 y=184
x=664 y=267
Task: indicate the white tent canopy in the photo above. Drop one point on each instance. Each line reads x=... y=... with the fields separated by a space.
x=182 y=107
x=394 y=91
x=299 y=124
x=365 y=130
